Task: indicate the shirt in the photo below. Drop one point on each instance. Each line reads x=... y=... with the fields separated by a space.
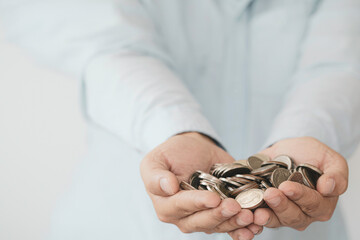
x=247 y=73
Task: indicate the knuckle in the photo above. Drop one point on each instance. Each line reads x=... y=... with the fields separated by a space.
x=179 y=206
x=301 y=229
x=163 y=218
x=282 y=209
x=219 y=229
x=299 y=192
x=199 y=228
x=312 y=207
x=233 y=223
x=304 y=225
x=289 y=222
x=292 y=221
x=187 y=227
x=183 y=228
x=326 y=217
x=309 y=209
x=217 y=216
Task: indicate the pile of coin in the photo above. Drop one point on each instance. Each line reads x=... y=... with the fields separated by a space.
x=247 y=180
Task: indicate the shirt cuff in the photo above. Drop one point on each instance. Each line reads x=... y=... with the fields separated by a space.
x=165 y=123
x=293 y=123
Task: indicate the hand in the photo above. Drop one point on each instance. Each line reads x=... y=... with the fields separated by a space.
x=192 y=211
x=295 y=205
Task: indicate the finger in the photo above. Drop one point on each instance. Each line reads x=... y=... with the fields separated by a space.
x=156 y=176
x=241 y=234
x=311 y=202
x=266 y=217
x=255 y=229
x=240 y=220
x=334 y=181
x=287 y=212
x=262 y=216
x=207 y=220
x=184 y=203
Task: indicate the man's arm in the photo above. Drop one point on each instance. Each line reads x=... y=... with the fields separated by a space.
x=129 y=86
x=324 y=102
x=131 y=90
x=323 y=107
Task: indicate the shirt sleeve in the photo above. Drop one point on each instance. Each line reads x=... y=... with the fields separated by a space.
x=324 y=101
x=129 y=84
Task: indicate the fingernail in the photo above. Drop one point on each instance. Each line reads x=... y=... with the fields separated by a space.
x=267 y=222
x=329 y=186
x=289 y=193
x=227 y=213
x=274 y=202
x=165 y=186
x=258 y=232
x=240 y=222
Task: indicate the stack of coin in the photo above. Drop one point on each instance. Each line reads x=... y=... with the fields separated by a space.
x=247 y=180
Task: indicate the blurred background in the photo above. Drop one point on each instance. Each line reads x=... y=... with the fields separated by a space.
x=42 y=139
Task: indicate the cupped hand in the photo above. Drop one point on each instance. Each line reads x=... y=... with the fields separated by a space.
x=192 y=211
x=295 y=205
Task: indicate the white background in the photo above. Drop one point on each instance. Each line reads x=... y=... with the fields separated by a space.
x=42 y=137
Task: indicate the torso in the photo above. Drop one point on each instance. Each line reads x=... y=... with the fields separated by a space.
x=237 y=60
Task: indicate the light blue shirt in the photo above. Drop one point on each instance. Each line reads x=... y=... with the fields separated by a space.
x=247 y=73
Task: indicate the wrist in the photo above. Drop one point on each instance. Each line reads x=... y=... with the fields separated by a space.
x=197 y=135
x=202 y=136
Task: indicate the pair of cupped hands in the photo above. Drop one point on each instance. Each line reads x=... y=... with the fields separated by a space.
x=292 y=204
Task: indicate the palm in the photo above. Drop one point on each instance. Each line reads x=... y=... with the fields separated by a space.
x=186 y=154
x=192 y=211
x=295 y=200
x=303 y=151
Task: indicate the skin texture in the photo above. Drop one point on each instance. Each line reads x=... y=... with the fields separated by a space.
x=292 y=205
x=295 y=205
x=192 y=211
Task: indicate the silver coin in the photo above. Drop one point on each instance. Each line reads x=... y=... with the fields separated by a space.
x=296 y=177
x=256 y=160
x=186 y=186
x=250 y=199
x=265 y=184
x=247 y=186
x=242 y=162
x=312 y=167
x=306 y=180
x=230 y=182
x=263 y=170
x=237 y=181
x=278 y=176
x=250 y=177
x=285 y=160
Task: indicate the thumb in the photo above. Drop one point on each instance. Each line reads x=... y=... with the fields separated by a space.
x=157 y=177
x=334 y=181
